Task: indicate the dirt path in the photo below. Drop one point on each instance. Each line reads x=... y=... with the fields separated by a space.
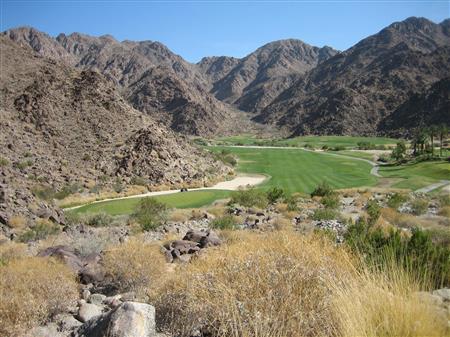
x=432 y=187
x=240 y=181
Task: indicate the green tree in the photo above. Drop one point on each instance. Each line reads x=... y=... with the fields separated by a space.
x=399 y=151
x=443 y=133
x=433 y=131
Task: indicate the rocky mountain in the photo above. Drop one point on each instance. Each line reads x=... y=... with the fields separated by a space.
x=174 y=89
x=429 y=108
x=354 y=91
x=254 y=81
x=62 y=126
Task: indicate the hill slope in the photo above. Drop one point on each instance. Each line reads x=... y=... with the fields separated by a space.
x=62 y=126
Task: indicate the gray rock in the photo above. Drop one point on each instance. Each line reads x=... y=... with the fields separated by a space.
x=429 y=298
x=67 y=322
x=443 y=293
x=97 y=299
x=49 y=330
x=88 y=311
x=130 y=319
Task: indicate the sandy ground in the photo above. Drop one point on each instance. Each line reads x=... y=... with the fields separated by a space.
x=240 y=181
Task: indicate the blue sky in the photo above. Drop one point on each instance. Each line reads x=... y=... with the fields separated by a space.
x=194 y=29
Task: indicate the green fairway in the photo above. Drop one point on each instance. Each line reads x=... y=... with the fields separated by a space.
x=178 y=200
x=296 y=170
x=314 y=141
x=417 y=175
x=356 y=154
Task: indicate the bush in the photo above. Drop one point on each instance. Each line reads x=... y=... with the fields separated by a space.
x=292 y=205
x=419 y=206
x=32 y=290
x=338 y=148
x=226 y=157
x=23 y=164
x=100 y=219
x=373 y=210
x=330 y=201
x=225 y=222
x=396 y=200
x=325 y=214
x=118 y=186
x=150 y=213
x=4 y=162
x=428 y=262
x=135 y=266
x=444 y=200
x=67 y=190
x=322 y=190
x=249 y=198
x=40 y=231
x=274 y=194
x=43 y=192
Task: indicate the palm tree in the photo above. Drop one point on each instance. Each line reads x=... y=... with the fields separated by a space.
x=443 y=132
x=432 y=131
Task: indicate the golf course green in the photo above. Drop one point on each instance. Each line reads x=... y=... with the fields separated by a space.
x=297 y=170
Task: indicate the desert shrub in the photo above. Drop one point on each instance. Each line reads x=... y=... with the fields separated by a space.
x=87 y=157
x=373 y=211
x=396 y=200
x=40 y=231
x=224 y=222
x=11 y=251
x=325 y=214
x=445 y=211
x=292 y=203
x=444 y=200
x=428 y=262
x=365 y=146
x=274 y=194
x=322 y=190
x=118 y=185
x=135 y=266
x=249 y=198
x=325 y=147
x=72 y=218
x=67 y=190
x=140 y=181
x=272 y=284
x=43 y=192
x=419 y=206
x=330 y=201
x=4 y=162
x=33 y=289
x=150 y=213
x=100 y=219
x=17 y=221
x=23 y=164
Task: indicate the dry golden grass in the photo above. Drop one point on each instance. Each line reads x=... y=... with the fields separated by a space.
x=135 y=266
x=408 y=220
x=17 y=222
x=31 y=290
x=179 y=215
x=218 y=210
x=280 y=223
x=445 y=211
x=272 y=284
x=372 y=305
x=11 y=251
x=282 y=284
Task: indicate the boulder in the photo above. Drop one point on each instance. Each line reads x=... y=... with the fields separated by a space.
x=88 y=311
x=97 y=299
x=203 y=238
x=444 y=293
x=130 y=319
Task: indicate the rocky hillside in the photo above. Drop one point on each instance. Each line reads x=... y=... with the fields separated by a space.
x=174 y=90
x=254 y=81
x=61 y=126
x=354 y=91
x=429 y=108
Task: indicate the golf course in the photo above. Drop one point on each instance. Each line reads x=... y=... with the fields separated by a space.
x=295 y=170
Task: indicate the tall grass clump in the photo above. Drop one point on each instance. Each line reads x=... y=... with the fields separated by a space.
x=32 y=290
x=273 y=284
x=134 y=266
x=322 y=190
